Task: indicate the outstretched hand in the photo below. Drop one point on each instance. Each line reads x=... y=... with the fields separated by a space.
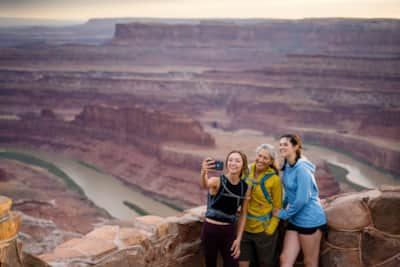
x=235 y=248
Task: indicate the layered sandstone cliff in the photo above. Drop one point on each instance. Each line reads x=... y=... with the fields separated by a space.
x=310 y=34
x=139 y=122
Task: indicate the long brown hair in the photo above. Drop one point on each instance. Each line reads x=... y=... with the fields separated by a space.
x=294 y=140
x=244 y=171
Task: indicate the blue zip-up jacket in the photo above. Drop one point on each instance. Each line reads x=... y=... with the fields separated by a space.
x=301 y=196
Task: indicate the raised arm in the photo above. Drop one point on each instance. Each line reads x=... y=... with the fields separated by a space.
x=205 y=182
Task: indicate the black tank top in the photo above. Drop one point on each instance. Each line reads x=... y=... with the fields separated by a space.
x=227 y=200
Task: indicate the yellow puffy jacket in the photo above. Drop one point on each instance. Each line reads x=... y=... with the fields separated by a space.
x=259 y=206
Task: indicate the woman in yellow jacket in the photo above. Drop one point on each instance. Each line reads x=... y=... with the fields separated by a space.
x=260 y=240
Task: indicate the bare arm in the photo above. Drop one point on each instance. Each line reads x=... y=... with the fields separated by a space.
x=242 y=222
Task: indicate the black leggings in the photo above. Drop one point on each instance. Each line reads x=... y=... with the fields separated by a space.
x=216 y=238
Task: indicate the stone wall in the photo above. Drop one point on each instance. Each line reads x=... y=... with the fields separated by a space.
x=364 y=229
x=363 y=232
x=147 y=241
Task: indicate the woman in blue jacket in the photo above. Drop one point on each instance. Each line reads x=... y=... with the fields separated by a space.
x=306 y=218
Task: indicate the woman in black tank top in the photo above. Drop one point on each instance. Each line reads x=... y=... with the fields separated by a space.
x=225 y=195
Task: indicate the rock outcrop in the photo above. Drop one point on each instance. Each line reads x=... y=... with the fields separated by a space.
x=363 y=232
x=148 y=241
x=10 y=249
x=363 y=229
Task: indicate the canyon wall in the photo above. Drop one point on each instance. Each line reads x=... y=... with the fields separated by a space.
x=385 y=159
x=118 y=141
x=130 y=124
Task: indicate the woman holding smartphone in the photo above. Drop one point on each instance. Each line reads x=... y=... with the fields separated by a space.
x=226 y=194
x=307 y=220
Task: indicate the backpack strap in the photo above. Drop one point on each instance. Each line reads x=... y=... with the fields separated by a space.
x=268 y=216
x=223 y=191
x=251 y=181
x=254 y=182
x=264 y=189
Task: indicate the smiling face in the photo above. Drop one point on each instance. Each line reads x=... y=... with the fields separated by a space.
x=263 y=160
x=286 y=148
x=235 y=163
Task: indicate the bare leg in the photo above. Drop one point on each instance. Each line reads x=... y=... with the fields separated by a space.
x=244 y=263
x=310 y=245
x=291 y=249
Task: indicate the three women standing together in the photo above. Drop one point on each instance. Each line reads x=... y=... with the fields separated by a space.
x=257 y=190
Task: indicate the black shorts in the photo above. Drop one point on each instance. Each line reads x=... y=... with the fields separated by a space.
x=306 y=230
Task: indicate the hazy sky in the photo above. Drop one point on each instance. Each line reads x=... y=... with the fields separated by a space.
x=84 y=9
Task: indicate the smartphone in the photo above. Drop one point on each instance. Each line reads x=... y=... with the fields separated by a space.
x=219 y=165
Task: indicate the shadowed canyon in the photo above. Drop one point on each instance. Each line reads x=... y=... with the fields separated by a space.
x=142 y=102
